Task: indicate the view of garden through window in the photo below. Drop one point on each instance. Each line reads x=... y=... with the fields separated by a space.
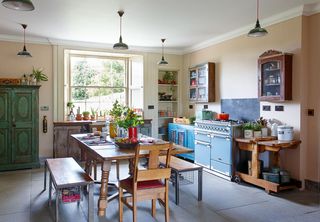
x=96 y=83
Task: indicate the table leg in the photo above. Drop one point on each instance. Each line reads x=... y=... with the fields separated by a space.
x=102 y=202
x=276 y=159
x=177 y=188
x=45 y=176
x=200 y=184
x=254 y=161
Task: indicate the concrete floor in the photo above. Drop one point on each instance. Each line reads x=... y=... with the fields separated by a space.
x=22 y=200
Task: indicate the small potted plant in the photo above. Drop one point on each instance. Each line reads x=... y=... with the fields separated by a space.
x=248 y=130
x=93 y=113
x=38 y=75
x=86 y=115
x=71 y=114
x=115 y=114
x=264 y=130
x=256 y=130
x=168 y=78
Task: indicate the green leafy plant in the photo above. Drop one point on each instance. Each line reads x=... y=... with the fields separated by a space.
x=192 y=119
x=86 y=113
x=39 y=75
x=257 y=127
x=70 y=105
x=94 y=111
x=116 y=110
x=129 y=118
x=248 y=126
x=168 y=77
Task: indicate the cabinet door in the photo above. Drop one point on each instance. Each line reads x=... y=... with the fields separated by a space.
x=73 y=147
x=202 y=153
x=23 y=126
x=221 y=149
x=5 y=155
x=60 y=138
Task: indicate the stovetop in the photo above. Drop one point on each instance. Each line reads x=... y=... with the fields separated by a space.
x=229 y=122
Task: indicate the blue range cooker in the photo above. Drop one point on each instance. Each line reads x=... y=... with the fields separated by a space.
x=214 y=146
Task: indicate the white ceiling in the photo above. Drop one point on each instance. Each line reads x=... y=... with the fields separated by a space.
x=185 y=23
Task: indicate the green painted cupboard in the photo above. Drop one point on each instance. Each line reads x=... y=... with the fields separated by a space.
x=19 y=127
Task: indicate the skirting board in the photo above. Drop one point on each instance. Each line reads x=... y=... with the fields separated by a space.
x=312 y=185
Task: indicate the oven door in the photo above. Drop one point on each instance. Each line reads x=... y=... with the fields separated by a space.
x=202 y=153
x=221 y=146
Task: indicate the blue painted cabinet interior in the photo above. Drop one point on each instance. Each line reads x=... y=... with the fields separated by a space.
x=182 y=135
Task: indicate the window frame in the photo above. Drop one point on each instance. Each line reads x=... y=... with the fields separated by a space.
x=126 y=72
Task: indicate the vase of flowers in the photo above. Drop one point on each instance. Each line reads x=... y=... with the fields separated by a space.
x=129 y=120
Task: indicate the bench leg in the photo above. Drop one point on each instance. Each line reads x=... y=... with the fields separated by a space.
x=90 y=204
x=200 y=184
x=176 y=185
x=57 y=204
x=45 y=176
x=50 y=189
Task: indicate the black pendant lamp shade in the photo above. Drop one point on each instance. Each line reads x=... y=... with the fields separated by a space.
x=162 y=61
x=20 y=5
x=120 y=45
x=257 y=31
x=24 y=51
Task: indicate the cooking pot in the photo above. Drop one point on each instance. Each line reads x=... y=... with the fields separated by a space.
x=223 y=116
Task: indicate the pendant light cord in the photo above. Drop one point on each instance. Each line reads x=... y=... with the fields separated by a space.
x=121 y=25
x=257 y=9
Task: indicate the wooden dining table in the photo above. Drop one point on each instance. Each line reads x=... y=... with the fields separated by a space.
x=104 y=152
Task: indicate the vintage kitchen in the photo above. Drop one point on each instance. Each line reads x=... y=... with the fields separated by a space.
x=236 y=107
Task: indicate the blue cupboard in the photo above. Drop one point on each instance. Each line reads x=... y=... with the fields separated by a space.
x=182 y=135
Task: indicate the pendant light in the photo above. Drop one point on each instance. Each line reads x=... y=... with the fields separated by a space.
x=162 y=61
x=257 y=31
x=24 y=51
x=20 y=5
x=120 y=45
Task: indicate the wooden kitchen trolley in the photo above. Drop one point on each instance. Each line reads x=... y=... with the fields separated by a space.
x=256 y=146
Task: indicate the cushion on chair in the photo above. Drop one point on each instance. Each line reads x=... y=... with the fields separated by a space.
x=149 y=184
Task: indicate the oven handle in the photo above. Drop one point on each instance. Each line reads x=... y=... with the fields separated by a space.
x=202 y=133
x=202 y=143
x=220 y=136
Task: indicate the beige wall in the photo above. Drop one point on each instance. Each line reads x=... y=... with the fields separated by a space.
x=236 y=75
x=13 y=66
x=313 y=92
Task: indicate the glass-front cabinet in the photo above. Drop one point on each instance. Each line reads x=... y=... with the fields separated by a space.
x=202 y=83
x=275 y=76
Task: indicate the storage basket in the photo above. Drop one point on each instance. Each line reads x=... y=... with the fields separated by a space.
x=184 y=177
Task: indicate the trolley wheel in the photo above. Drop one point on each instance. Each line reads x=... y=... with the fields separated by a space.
x=237 y=179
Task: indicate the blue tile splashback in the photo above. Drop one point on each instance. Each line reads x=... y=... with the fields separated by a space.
x=241 y=109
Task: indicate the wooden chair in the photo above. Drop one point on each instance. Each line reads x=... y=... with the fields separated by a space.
x=151 y=183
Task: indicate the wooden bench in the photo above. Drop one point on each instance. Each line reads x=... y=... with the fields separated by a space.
x=178 y=166
x=67 y=173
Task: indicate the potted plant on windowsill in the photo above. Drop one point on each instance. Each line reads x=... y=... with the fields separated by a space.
x=86 y=115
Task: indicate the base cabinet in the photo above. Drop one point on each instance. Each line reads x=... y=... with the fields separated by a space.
x=63 y=144
x=19 y=127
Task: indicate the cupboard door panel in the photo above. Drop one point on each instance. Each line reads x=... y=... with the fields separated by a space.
x=4 y=146
x=73 y=147
x=22 y=145
x=60 y=142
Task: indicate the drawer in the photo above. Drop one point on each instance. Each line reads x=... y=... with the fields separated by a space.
x=202 y=153
x=222 y=168
x=202 y=136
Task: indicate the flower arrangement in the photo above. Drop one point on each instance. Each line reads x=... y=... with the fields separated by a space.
x=129 y=118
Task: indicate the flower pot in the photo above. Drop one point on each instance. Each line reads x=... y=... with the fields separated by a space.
x=264 y=132
x=79 y=117
x=132 y=132
x=248 y=134
x=93 y=117
x=257 y=134
x=86 y=117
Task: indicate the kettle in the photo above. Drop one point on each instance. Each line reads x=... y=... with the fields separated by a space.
x=274 y=129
